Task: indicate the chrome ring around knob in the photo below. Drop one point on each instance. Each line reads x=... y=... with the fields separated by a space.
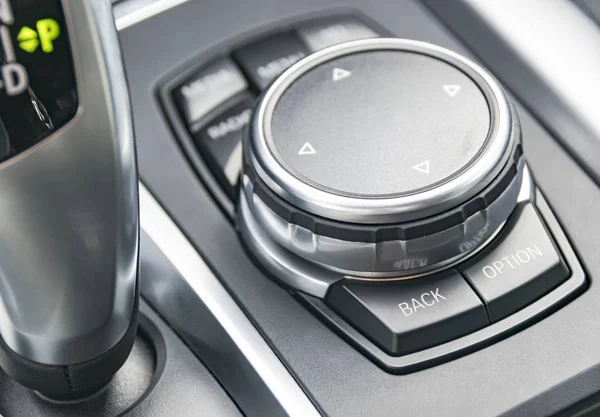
x=395 y=236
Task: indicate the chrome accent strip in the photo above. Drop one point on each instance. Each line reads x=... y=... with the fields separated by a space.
x=391 y=258
x=157 y=224
x=478 y=174
x=294 y=271
x=129 y=13
x=315 y=279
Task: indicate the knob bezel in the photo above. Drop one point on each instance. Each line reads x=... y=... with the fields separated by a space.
x=460 y=187
x=315 y=279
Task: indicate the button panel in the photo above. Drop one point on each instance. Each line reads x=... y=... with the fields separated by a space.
x=406 y=324
x=521 y=267
x=214 y=101
x=407 y=316
x=495 y=331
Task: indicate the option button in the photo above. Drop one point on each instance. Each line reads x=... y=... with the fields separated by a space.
x=520 y=268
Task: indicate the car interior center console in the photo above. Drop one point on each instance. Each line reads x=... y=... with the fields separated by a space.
x=383 y=181
x=346 y=208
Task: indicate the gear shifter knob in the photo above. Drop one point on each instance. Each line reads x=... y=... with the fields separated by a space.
x=69 y=225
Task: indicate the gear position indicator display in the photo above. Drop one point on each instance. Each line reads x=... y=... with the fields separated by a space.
x=37 y=83
x=383 y=123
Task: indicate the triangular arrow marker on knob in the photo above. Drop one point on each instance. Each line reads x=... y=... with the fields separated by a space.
x=340 y=74
x=423 y=167
x=307 y=149
x=451 y=90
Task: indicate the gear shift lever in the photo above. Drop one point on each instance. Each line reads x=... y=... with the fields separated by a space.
x=69 y=225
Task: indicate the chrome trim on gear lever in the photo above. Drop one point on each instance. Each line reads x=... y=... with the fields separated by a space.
x=69 y=230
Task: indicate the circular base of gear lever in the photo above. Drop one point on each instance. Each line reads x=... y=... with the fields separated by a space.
x=72 y=381
x=130 y=385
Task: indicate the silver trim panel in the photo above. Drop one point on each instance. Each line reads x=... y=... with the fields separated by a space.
x=156 y=223
x=546 y=52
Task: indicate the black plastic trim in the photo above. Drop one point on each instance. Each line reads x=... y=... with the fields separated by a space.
x=547 y=304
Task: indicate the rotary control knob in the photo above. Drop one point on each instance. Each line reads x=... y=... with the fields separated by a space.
x=378 y=159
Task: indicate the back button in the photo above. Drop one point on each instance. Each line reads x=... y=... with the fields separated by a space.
x=407 y=316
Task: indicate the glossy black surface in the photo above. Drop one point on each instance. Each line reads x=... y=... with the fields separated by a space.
x=4 y=141
x=38 y=93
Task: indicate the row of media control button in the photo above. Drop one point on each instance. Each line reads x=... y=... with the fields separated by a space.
x=216 y=101
x=406 y=316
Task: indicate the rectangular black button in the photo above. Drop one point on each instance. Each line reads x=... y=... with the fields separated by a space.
x=522 y=266
x=264 y=60
x=220 y=142
x=411 y=315
x=330 y=31
x=209 y=88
